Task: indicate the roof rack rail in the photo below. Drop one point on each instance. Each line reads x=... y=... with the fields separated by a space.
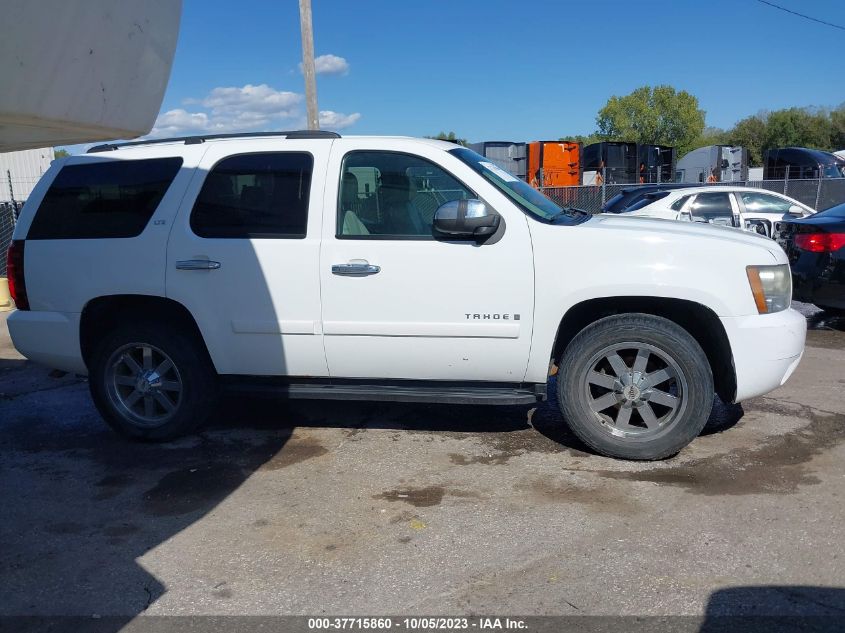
x=202 y=138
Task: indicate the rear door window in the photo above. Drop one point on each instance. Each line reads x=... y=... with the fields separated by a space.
x=103 y=199
x=713 y=207
x=263 y=195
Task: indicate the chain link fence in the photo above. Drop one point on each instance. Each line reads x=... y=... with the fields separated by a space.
x=816 y=193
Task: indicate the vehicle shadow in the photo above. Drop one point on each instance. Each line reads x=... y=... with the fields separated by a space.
x=543 y=421
x=823 y=320
x=775 y=608
x=82 y=506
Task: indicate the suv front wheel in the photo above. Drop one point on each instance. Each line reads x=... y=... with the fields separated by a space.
x=635 y=386
x=151 y=382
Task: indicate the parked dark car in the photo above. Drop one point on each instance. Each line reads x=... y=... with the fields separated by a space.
x=628 y=196
x=801 y=162
x=815 y=246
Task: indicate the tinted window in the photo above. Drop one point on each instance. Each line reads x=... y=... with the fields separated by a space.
x=712 y=207
x=679 y=203
x=387 y=195
x=109 y=199
x=255 y=196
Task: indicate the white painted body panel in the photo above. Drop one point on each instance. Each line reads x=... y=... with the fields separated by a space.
x=275 y=308
x=617 y=256
x=260 y=311
x=410 y=320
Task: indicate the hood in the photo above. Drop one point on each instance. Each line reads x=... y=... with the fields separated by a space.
x=697 y=230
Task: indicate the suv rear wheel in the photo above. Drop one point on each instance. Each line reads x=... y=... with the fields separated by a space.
x=151 y=382
x=635 y=386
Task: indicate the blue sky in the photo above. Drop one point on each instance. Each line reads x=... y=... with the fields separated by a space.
x=494 y=70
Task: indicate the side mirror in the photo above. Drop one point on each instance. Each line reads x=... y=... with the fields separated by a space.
x=796 y=210
x=685 y=216
x=465 y=220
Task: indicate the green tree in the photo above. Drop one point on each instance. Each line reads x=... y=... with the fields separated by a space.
x=582 y=138
x=750 y=133
x=711 y=136
x=798 y=127
x=837 y=123
x=60 y=152
x=450 y=136
x=657 y=114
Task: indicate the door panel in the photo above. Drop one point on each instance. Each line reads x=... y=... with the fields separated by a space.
x=258 y=216
x=434 y=310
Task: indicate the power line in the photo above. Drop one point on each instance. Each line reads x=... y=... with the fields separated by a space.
x=801 y=15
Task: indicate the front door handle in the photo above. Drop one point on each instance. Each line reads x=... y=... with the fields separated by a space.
x=355 y=269
x=197 y=264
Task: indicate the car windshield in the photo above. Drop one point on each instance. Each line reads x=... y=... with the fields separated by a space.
x=610 y=204
x=836 y=170
x=644 y=201
x=525 y=196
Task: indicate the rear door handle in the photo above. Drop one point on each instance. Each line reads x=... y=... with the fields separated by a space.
x=197 y=264
x=355 y=269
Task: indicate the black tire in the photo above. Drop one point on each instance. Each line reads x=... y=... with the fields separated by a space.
x=198 y=380
x=663 y=341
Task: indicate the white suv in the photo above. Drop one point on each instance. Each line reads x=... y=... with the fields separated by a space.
x=314 y=266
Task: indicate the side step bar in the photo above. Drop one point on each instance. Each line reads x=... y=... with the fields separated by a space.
x=412 y=392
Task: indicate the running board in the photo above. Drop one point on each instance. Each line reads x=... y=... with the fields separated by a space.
x=413 y=392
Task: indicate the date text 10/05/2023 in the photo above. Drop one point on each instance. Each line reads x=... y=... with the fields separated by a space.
x=416 y=623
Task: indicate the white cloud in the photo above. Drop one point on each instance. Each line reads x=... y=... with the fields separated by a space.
x=329 y=65
x=249 y=98
x=246 y=108
x=337 y=120
x=179 y=121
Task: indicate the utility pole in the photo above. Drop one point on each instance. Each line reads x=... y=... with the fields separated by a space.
x=308 y=63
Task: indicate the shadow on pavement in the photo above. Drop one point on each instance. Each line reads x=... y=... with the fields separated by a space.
x=82 y=505
x=775 y=609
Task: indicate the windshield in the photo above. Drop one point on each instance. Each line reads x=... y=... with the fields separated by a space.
x=836 y=170
x=645 y=201
x=525 y=196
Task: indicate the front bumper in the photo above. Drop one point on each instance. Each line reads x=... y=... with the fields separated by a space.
x=766 y=350
x=49 y=338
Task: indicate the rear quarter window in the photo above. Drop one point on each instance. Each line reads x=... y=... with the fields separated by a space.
x=111 y=199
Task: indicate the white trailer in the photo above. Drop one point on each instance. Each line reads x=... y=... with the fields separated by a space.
x=713 y=163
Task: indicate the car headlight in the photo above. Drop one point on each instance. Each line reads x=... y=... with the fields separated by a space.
x=771 y=287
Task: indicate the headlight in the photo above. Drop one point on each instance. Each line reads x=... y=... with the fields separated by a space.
x=771 y=287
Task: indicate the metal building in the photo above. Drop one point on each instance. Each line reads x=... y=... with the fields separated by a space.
x=19 y=171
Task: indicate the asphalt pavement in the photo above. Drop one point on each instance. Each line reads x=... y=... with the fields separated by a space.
x=369 y=508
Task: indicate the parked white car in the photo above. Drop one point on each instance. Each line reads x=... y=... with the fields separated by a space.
x=313 y=266
x=747 y=208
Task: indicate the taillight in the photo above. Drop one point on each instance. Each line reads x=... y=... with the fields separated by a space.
x=820 y=242
x=14 y=270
